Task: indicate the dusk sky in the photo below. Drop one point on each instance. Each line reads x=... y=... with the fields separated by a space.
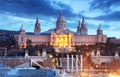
x=13 y=13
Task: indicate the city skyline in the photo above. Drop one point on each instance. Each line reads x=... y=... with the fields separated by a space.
x=106 y=12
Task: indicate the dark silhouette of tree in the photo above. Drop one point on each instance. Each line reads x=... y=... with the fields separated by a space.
x=28 y=42
x=101 y=46
x=15 y=52
x=8 y=41
x=30 y=47
x=81 y=49
x=39 y=48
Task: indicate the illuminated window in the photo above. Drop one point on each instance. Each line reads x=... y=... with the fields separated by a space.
x=62 y=40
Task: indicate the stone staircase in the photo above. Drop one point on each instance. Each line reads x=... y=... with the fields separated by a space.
x=12 y=62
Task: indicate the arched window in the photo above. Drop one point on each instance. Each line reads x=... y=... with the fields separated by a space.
x=102 y=39
x=21 y=38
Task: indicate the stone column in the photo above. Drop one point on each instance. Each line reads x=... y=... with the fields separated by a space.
x=116 y=55
x=92 y=53
x=68 y=62
x=26 y=54
x=81 y=63
x=76 y=62
x=30 y=63
x=38 y=53
x=44 y=53
x=98 y=52
x=5 y=53
x=60 y=62
x=72 y=66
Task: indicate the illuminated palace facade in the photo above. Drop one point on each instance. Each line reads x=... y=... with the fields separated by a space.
x=61 y=37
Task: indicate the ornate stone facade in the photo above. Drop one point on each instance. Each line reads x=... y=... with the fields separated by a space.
x=61 y=36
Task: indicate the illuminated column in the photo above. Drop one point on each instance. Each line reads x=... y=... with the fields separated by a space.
x=72 y=67
x=68 y=62
x=76 y=62
x=81 y=63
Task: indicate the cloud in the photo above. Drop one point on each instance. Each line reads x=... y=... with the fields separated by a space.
x=14 y=23
x=21 y=12
x=111 y=33
x=17 y=12
x=114 y=16
x=27 y=7
x=103 y=5
x=34 y=8
x=113 y=26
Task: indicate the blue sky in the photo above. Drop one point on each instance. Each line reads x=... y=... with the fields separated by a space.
x=13 y=13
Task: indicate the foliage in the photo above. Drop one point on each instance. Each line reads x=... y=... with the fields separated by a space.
x=8 y=41
x=106 y=49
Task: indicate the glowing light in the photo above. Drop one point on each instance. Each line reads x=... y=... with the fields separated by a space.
x=113 y=75
x=63 y=40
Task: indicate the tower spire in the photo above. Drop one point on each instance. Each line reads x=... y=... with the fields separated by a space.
x=37 y=20
x=37 y=27
x=99 y=30
x=83 y=20
x=79 y=28
x=22 y=31
x=79 y=23
x=83 y=25
x=84 y=30
x=21 y=27
x=61 y=14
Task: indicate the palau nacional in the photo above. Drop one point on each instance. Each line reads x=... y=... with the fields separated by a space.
x=61 y=38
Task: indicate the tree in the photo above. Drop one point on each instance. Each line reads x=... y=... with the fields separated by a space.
x=101 y=46
x=8 y=41
x=29 y=47
x=28 y=42
x=39 y=48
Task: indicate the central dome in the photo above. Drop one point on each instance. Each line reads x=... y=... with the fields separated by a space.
x=61 y=18
x=61 y=22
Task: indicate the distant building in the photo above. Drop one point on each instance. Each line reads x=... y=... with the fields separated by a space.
x=114 y=40
x=61 y=37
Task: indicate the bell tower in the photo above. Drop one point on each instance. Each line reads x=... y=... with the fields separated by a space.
x=79 y=28
x=84 y=30
x=22 y=31
x=37 y=28
x=99 y=30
